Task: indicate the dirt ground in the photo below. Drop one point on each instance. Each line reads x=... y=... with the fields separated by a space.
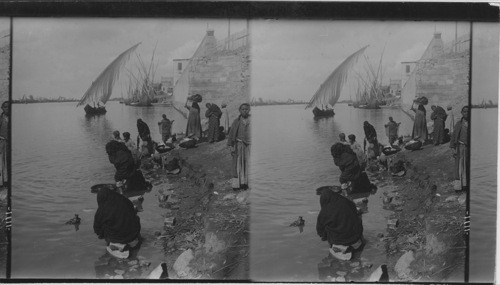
x=3 y=232
x=430 y=218
x=211 y=219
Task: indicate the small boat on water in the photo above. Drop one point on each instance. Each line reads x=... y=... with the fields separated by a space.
x=101 y=88
x=329 y=92
x=323 y=113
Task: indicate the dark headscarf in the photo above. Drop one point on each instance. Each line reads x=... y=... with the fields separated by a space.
x=422 y=108
x=196 y=106
x=143 y=129
x=338 y=219
x=213 y=109
x=370 y=132
x=121 y=157
x=115 y=219
x=339 y=148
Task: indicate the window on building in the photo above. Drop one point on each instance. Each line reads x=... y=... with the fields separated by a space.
x=179 y=66
x=407 y=68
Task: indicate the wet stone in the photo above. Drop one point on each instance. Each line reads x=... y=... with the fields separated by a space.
x=355 y=264
x=119 y=272
x=340 y=279
x=341 y=273
x=133 y=262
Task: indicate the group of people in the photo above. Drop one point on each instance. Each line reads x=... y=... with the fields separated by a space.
x=116 y=219
x=238 y=135
x=457 y=135
x=215 y=131
x=339 y=221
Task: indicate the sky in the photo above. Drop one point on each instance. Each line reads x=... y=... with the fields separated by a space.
x=290 y=59
x=55 y=57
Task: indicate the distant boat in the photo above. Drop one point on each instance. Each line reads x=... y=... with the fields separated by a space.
x=329 y=92
x=100 y=90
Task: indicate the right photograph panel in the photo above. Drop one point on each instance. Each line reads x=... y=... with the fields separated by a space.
x=360 y=158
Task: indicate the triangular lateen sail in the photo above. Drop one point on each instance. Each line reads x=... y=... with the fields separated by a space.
x=102 y=87
x=329 y=91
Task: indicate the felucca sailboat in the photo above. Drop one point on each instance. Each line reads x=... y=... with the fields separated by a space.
x=100 y=90
x=329 y=92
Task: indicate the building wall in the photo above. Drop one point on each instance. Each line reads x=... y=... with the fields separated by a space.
x=222 y=77
x=444 y=80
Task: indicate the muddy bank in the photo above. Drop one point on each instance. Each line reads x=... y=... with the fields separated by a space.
x=3 y=232
x=426 y=240
x=205 y=232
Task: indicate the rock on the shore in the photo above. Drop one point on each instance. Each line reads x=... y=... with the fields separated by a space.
x=242 y=197
x=402 y=267
x=181 y=265
x=229 y=196
x=213 y=244
x=450 y=199
x=432 y=245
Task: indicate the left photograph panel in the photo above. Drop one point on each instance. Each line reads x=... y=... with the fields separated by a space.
x=124 y=163
x=5 y=219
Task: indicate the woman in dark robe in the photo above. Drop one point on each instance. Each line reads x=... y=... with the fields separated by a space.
x=347 y=161
x=213 y=114
x=193 y=128
x=338 y=220
x=127 y=175
x=145 y=135
x=371 y=138
x=116 y=220
x=420 y=125
x=439 y=116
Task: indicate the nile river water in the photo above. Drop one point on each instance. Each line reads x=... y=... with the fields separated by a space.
x=291 y=158
x=58 y=154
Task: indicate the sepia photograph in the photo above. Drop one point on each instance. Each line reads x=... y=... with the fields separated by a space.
x=360 y=158
x=125 y=165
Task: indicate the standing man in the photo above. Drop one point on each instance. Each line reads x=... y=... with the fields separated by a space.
x=439 y=117
x=239 y=141
x=392 y=130
x=458 y=144
x=165 y=128
x=213 y=114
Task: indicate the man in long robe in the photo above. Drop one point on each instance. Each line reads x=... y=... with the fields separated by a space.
x=213 y=114
x=439 y=117
x=459 y=145
x=239 y=141
x=165 y=128
x=392 y=130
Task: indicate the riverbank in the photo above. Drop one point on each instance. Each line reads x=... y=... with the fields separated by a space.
x=205 y=235
x=428 y=242
x=3 y=232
